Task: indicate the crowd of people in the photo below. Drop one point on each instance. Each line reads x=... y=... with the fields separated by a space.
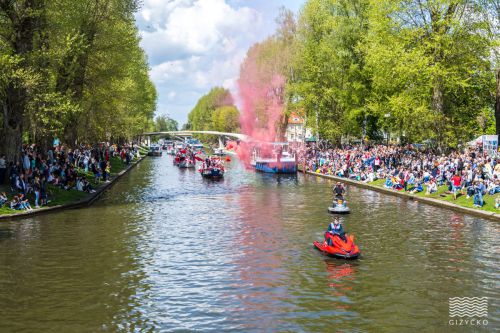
x=412 y=169
x=79 y=169
x=212 y=162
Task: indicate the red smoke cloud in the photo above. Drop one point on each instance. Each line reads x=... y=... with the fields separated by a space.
x=261 y=108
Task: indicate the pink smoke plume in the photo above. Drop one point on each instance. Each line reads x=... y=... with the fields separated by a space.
x=261 y=100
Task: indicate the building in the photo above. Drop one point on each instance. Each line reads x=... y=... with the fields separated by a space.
x=296 y=131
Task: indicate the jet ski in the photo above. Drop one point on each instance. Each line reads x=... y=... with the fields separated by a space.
x=340 y=249
x=339 y=206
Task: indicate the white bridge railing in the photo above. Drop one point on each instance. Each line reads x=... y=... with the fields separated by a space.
x=185 y=133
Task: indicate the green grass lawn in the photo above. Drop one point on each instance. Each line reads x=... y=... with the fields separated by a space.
x=489 y=200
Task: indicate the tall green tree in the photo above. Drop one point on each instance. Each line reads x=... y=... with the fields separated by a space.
x=71 y=69
x=430 y=67
x=331 y=83
x=165 y=124
x=19 y=35
x=200 y=117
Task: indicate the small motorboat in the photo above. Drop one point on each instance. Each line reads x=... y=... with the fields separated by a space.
x=219 y=152
x=154 y=150
x=212 y=167
x=212 y=173
x=186 y=163
x=339 y=248
x=339 y=206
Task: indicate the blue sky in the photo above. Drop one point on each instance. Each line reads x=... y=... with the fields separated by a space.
x=194 y=45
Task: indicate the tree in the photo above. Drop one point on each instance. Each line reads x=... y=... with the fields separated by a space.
x=430 y=68
x=20 y=21
x=71 y=69
x=226 y=119
x=330 y=81
x=165 y=124
x=201 y=116
x=262 y=82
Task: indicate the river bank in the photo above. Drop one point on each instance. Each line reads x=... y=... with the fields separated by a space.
x=440 y=198
x=67 y=199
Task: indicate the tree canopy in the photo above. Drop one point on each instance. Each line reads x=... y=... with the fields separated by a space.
x=73 y=70
x=420 y=69
x=214 y=111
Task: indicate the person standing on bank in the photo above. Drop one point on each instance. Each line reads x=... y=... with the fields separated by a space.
x=3 y=169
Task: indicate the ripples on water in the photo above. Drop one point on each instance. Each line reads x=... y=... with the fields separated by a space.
x=166 y=250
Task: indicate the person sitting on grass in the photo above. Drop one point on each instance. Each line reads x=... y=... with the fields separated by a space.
x=14 y=203
x=3 y=199
x=79 y=184
x=19 y=203
x=494 y=187
x=479 y=190
x=432 y=187
x=388 y=182
x=417 y=189
x=497 y=203
x=25 y=204
x=87 y=187
x=398 y=184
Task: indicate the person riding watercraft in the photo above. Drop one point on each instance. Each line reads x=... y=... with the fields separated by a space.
x=339 y=190
x=337 y=243
x=335 y=228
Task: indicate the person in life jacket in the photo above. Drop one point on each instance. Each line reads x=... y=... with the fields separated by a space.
x=335 y=228
x=339 y=190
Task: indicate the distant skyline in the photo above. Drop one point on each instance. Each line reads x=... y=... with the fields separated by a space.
x=194 y=45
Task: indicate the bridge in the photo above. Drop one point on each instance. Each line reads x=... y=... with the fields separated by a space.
x=237 y=136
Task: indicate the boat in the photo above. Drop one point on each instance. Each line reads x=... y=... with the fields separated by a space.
x=166 y=144
x=195 y=145
x=170 y=150
x=212 y=173
x=178 y=145
x=339 y=206
x=215 y=169
x=186 y=163
x=219 y=152
x=154 y=150
x=340 y=249
x=276 y=160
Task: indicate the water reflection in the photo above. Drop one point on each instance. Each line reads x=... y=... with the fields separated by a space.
x=166 y=250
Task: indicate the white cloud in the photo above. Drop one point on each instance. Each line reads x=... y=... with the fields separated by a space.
x=193 y=45
x=179 y=29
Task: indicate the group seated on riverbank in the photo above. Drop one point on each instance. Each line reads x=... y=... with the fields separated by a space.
x=39 y=175
x=412 y=170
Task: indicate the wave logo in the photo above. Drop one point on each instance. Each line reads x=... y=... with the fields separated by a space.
x=468 y=306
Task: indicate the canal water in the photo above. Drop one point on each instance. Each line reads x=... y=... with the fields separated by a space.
x=167 y=251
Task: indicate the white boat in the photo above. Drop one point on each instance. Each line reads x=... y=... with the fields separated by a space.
x=339 y=206
x=280 y=162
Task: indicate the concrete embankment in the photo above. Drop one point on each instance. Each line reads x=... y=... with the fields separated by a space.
x=85 y=202
x=430 y=201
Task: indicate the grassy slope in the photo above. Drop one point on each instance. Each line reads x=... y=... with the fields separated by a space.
x=489 y=200
x=58 y=196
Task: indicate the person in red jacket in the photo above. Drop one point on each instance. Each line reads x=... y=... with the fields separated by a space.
x=456 y=182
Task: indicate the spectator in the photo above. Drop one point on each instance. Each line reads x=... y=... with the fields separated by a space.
x=3 y=169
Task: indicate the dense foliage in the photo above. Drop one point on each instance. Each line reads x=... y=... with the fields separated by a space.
x=422 y=70
x=165 y=124
x=73 y=70
x=214 y=111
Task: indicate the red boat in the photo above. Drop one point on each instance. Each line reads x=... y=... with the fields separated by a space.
x=340 y=249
